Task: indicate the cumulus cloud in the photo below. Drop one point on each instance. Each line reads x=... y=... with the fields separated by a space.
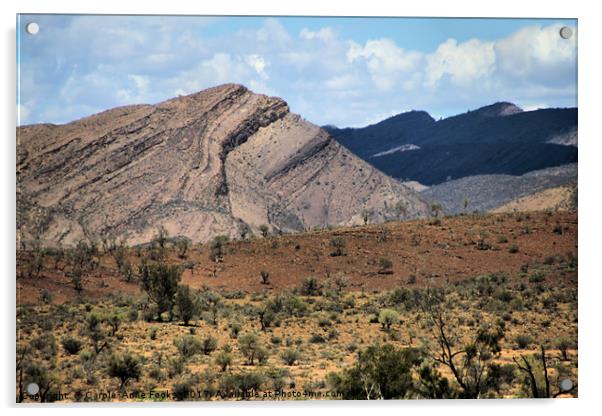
x=386 y=62
x=329 y=78
x=463 y=63
x=537 y=54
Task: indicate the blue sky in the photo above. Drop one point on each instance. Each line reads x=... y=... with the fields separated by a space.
x=342 y=71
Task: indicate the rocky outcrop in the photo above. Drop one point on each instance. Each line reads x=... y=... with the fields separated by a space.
x=221 y=161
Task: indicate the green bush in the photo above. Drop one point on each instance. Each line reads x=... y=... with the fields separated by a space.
x=380 y=372
x=71 y=345
x=387 y=318
x=187 y=304
x=249 y=346
x=386 y=265
x=188 y=345
x=523 y=341
x=209 y=344
x=125 y=367
x=224 y=360
x=290 y=356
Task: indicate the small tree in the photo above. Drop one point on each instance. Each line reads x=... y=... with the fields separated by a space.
x=264 y=229
x=186 y=303
x=125 y=367
x=208 y=345
x=160 y=282
x=249 y=346
x=380 y=372
x=114 y=322
x=96 y=333
x=471 y=364
x=210 y=303
x=218 y=248
x=223 y=359
x=338 y=244
x=388 y=317
x=182 y=245
x=563 y=344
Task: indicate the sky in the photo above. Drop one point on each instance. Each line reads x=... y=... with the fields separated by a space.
x=337 y=71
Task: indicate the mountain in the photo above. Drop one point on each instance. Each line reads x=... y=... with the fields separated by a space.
x=496 y=139
x=221 y=161
x=505 y=192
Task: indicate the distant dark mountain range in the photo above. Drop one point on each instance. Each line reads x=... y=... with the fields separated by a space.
x=496 y=139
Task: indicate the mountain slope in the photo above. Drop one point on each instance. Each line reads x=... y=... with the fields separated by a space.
x=489 y=192
x=496 y=139
x=221 y=161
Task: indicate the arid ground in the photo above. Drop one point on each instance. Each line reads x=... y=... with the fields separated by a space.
x=298 y=313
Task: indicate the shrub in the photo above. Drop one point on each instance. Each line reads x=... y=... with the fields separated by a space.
x=386 y=265
x=537 y=277
x=310 y=287
x=124 y=367
x=264 y=229
x=71 y=345
x=186 y=303
x=45 y=296
x=265 y=277
x=133 y=315
x=564 y=344
x=249 y=345
x=209 y=344
x=290 y=356
x=523 y=341
x=152 y=333
x=182 y=245
x=502 y=239
x=338 y=244
x=513 y=249
x=160 y=282
x=380 y=372
x=217 y=247
x=183 y=390
x=188 y=345
x=224 y=360
x=114 y=322
x=235 y=329
x=388 y=317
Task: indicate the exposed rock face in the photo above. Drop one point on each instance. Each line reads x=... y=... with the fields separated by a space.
x=221 y=161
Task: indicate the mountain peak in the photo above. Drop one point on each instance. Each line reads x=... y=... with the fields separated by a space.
x=499 y=109
x=222 y=161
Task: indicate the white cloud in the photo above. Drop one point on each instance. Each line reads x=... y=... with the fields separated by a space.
x=325 y=34
x=537 y=52
x=71 y=71
x=463 y=63
x=341 y=82
x=386 y=62
x=258 y=63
